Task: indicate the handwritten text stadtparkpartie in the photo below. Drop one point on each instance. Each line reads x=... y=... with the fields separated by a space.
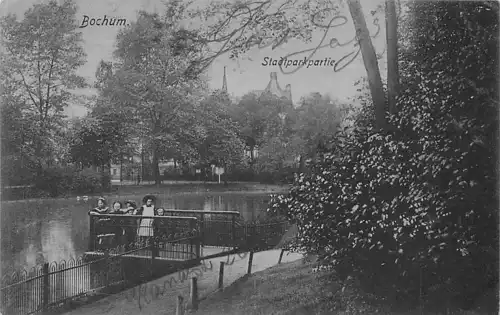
x=336 y=21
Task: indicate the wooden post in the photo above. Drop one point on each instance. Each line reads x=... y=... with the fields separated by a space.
x=250 y=259
x=194 y=293
x=180 y=306
x=46 y=286
x=281 y=256
x=221 y=275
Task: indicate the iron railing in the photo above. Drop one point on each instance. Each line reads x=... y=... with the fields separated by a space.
x=128 y=264
x=51 y=285
x=212 y=224
x=112 y=230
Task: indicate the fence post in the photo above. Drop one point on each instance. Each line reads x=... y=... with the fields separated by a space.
x=202 y=228
x=198 y=246
x=106 y=269
x=233 y=230
x=46 y=286
x=92 y=233
x=221 y=275
x=180 y=305
x=153 y=255
x=194 y=293
x=281 y=256
x=193 y=235
x=250 y=259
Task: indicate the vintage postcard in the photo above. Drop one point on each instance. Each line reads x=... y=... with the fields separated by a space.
x=249 y=157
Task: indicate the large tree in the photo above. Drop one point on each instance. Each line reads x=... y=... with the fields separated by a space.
x=391 y=28
x=154 y=81
x=40 y=56
x=219 y=140
x=318 y=120
x=97 y=139
x=258 y=116
x=370 y=63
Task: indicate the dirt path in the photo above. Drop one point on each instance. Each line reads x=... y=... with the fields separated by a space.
x=159 y=296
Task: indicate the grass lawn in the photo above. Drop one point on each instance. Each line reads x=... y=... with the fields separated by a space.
x=294 y=289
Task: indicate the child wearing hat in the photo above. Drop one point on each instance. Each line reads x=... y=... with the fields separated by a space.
x=148 y=209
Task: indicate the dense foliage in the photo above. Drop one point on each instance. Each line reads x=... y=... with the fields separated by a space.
x=59 y=181
x=39 y=59
x=416 y=208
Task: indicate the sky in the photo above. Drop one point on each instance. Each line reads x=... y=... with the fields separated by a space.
x=247 y=73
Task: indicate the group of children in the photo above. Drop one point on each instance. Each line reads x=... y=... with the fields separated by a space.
x=130 y=207
x=144 y=226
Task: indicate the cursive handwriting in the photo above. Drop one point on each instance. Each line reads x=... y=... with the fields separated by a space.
x=145 y=293
x=231 y=41
x=343 y=62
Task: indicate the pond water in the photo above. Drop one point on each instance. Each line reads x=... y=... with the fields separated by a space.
x=33 y=232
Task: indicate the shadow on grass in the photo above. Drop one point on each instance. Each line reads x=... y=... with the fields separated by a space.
x=293 y=289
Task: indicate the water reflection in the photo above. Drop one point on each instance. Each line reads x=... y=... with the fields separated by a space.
x=52 y=230
x=57 y=241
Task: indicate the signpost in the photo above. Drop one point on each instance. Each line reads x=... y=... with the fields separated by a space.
x=219 y=171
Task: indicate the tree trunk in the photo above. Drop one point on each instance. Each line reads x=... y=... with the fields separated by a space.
x=301 y=163
x=121 y=168
x=370 y=62
x=156 y=166
x=391 y=24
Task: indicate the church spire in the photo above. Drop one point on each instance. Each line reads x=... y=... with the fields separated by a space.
x=224 y=81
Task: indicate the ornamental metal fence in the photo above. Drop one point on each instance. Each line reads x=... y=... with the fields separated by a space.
x=107 y=269
x=53 y=284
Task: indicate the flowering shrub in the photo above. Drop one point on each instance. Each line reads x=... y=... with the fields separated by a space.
x=415 y=208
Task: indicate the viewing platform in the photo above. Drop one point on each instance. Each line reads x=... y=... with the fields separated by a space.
x=124 y=251
x=178 y=235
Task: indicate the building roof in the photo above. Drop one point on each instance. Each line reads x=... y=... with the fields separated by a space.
x=274 y=88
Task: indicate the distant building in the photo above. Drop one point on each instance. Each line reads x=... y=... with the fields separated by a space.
x=274 y=88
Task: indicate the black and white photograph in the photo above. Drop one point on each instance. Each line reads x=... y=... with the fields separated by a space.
x=254 y=157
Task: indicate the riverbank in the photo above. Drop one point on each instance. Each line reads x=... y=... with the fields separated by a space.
x=170 y=187
x=293 y=288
